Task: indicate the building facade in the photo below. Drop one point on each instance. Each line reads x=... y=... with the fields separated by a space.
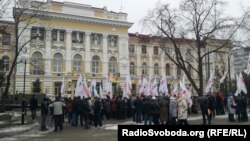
x=67 y=40
x=73 y=39
x=147 y=59
x=7 y=50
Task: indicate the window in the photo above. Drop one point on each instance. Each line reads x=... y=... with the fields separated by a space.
x=37 y=63
x=131 y=48
x=95 y=64
x=58 y=60
x=156 y=51
x=167 y=69
x=156 y=69
x=144 y=49
x=132 y=68
x=77 y=37
x=37 y=33
x=58 y=35
x=112 y=65
x=54 y=35
x=77 y=63
x=178 y=71
x=61 y=36
x=144 y=69
x=112 y=41
x=95 y=39
x=6 y=39
x=6 y=63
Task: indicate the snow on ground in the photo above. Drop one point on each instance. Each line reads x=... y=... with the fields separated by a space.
x=15 y=129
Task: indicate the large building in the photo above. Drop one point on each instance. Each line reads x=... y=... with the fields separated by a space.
x=66 y=40
x=148 y=59
x=72 y=39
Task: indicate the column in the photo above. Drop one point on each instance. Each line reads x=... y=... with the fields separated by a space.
x=123 y=56
x=150 y=63
x=105 y=67
x=87 y=53
x=68 y=57
x=48 y=54
x=138 y=60
x=163 y=64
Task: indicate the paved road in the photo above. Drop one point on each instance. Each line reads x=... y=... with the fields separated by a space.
x=106 y=133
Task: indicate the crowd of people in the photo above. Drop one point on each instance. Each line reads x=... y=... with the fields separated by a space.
x=148 y=110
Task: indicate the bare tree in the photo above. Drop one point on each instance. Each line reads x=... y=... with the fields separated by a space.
x=26 y=14
x=199 y=24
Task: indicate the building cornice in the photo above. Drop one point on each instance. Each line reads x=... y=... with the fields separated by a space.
x=76 y=18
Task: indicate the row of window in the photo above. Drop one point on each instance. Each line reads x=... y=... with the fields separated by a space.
x=38 y=63
x=76 y=37
x=132 y=68
x=131 y=49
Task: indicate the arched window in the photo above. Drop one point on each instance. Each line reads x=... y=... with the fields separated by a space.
x=144 y=69
x=167 y=69
x=132 y=68
x=37 y=58
x=96 y=64
x=6 y=63
x=156 y=69
x=77 y=62
x=58 y=61
x=112 y=65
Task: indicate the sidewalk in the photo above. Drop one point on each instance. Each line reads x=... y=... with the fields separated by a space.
x=10 y=123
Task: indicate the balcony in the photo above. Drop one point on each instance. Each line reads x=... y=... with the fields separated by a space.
x=59 y=44
x=96 y=46
x=77 y=45
x=37 y=43
x=144 y=56
x=37 y=72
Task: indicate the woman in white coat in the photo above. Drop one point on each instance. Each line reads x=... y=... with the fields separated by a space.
x=182 y=109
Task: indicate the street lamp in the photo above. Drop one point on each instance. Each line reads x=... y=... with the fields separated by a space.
x=24 y=59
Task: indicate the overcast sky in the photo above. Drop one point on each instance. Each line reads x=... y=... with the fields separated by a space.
x=137 y=9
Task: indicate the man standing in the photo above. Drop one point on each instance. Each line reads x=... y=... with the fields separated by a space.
x=44 y=113
x=204 y=105
x=33 y=106
x=57 y=106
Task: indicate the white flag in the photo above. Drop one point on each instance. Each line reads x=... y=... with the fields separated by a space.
x=79 y=85
x=85 y=89
x=223 y=77
x=163 y=86
x=242 y=84
x=238 y=85
x=128 y=85
x=209 y=83
x=154 y=88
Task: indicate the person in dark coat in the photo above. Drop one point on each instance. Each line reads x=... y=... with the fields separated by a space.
x=44 y=113
x=86 y=111
x=97 y=112
x=33 y=106
x=204 y=105
x=164 y=107
x=24 y=106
